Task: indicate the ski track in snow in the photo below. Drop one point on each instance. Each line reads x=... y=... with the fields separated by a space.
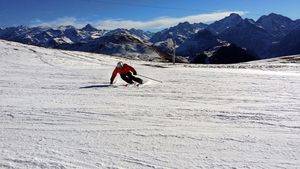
x=57 y=112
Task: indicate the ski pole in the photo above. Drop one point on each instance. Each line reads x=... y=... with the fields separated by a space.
x=150 y=78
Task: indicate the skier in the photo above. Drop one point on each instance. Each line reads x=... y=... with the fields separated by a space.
x=125 y=72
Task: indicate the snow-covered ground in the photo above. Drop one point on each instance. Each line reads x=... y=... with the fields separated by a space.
x=56 y=112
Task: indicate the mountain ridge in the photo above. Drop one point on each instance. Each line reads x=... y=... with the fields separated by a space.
x=264 y=37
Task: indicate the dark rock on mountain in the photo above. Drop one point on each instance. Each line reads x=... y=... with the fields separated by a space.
x=89 y=28
x=199 y=42
x=223 y=24
x=250 y=36
x=277 y=25
x=226 y=54
x=199 y=58
x=289 y=45
x=231 y=54
x=296 y=24
x=178 y=33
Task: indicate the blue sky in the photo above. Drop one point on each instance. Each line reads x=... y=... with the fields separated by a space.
x=143 y=14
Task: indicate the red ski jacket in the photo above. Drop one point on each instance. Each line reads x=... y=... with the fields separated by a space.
x=123 y=70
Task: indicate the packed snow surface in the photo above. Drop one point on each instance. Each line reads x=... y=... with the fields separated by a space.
x=57 y=111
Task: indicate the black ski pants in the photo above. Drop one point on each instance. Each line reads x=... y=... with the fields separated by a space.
x=129 y=78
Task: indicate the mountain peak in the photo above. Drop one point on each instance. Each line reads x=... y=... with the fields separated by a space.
x=235 y=15
x=225 y=23
x=204 y=34
x=138 y=33
x=66 y=27
x=89 y=28
x=178 y=33
x=273 y=16
x=272 y=13
x=276 y=24
x=183 y=23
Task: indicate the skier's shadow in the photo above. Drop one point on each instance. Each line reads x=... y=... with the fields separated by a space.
x=95 y=86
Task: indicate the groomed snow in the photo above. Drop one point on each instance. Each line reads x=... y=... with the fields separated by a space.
x=55 y=112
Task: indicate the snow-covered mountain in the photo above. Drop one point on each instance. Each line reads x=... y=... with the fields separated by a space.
x=118 y=43
x=130 y=43
x=178 y=33
x=91 y=32
x=72 y=33
x=261 y=37
x=142 y=35
x=50 y=37
x=35 y=36
x=257 y=36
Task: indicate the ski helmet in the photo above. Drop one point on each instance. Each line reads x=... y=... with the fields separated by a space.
x=120 y=64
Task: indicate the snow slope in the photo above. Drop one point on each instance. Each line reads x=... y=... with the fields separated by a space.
x=55 y=112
